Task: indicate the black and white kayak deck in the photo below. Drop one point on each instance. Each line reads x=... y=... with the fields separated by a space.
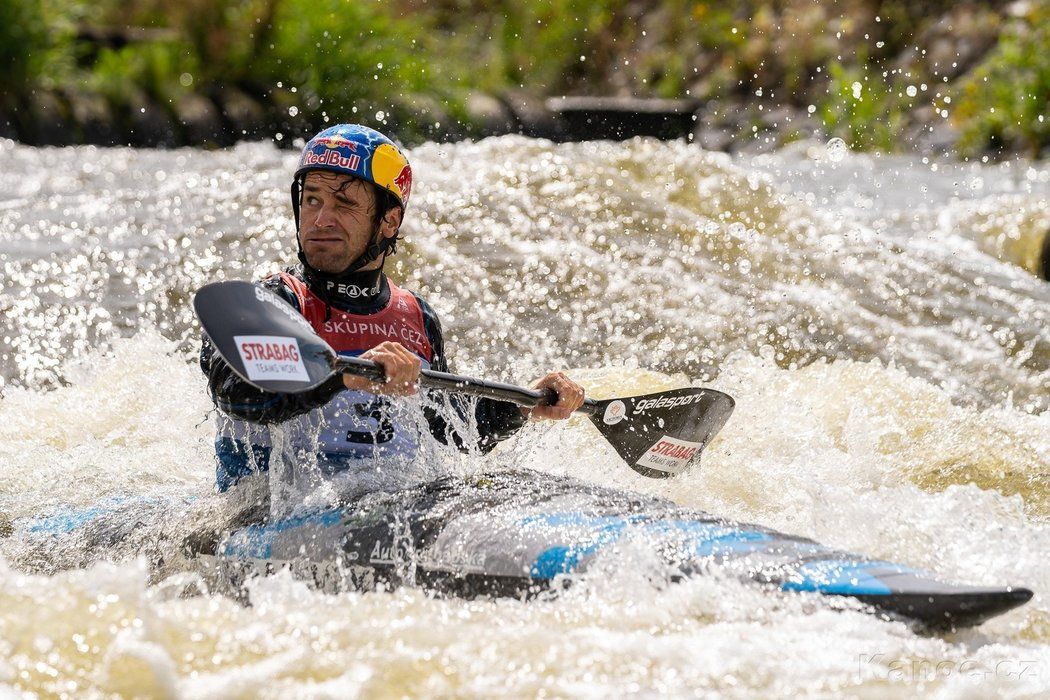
x=520 y=533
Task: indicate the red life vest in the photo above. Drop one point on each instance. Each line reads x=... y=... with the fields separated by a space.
x=400 y=321
x=355 y=429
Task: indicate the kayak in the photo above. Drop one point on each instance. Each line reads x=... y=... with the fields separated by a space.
x=512 y=533
x=520 y=533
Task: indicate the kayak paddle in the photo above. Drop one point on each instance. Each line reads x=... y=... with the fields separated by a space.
x=273 y=347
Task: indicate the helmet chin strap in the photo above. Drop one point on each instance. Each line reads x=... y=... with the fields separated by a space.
x=378 y=247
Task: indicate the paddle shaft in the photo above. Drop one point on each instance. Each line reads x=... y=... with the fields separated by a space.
x=529 y=398
x=270 y=345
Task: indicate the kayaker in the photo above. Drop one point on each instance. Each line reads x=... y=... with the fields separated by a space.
x=349 y=195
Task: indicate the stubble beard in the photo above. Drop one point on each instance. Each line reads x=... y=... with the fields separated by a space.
x=333 y=262
x=328 y=262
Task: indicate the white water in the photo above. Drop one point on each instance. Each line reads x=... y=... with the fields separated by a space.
x=888 y=348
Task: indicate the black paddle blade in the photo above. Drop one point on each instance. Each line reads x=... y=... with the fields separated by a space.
x=660 y=435
x=266 y=341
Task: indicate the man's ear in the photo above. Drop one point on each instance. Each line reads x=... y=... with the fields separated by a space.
x=391 y=222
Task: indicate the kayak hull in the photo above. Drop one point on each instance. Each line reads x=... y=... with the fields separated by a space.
x=520 y=533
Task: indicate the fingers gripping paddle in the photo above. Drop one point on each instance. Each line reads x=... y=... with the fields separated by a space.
x=272 y=346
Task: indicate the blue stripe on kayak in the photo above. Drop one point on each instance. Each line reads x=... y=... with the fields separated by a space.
x=67 y=520
x=256 y=541
x=710 y=538
x=730 y=542
x=829 y=576
x=563 y=559
x=845 y=577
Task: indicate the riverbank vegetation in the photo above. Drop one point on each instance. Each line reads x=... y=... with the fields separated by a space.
x=968 y=78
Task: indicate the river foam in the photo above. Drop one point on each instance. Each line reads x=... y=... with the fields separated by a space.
x=889 y=368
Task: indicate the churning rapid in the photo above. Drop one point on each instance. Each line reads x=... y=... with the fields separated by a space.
x=879 y=321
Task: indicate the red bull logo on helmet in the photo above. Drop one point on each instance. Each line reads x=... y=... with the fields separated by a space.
x=332 y=157
x=404 y=182
x=333 y=142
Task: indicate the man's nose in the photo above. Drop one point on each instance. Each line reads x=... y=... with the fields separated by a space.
x=325 y=217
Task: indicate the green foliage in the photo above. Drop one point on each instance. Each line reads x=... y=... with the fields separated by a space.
x=1004 y=101
x=153 y=68
x=35 y=46
x=22 y=40
x=418 y=59
x=862 y=109
x=341 y=54
x=544 y=41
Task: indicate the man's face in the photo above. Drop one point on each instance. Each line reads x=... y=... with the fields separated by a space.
x=336 y=221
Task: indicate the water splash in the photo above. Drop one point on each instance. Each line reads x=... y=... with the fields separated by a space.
x=877 y=322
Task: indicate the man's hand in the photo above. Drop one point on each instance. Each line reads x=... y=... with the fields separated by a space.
x=570 y=397
x=400 y=366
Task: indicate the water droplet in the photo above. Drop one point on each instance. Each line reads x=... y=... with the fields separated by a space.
x=292 y=111
x=836 y=150
x=912 y=91
x=811 y=109
x=857 y=87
